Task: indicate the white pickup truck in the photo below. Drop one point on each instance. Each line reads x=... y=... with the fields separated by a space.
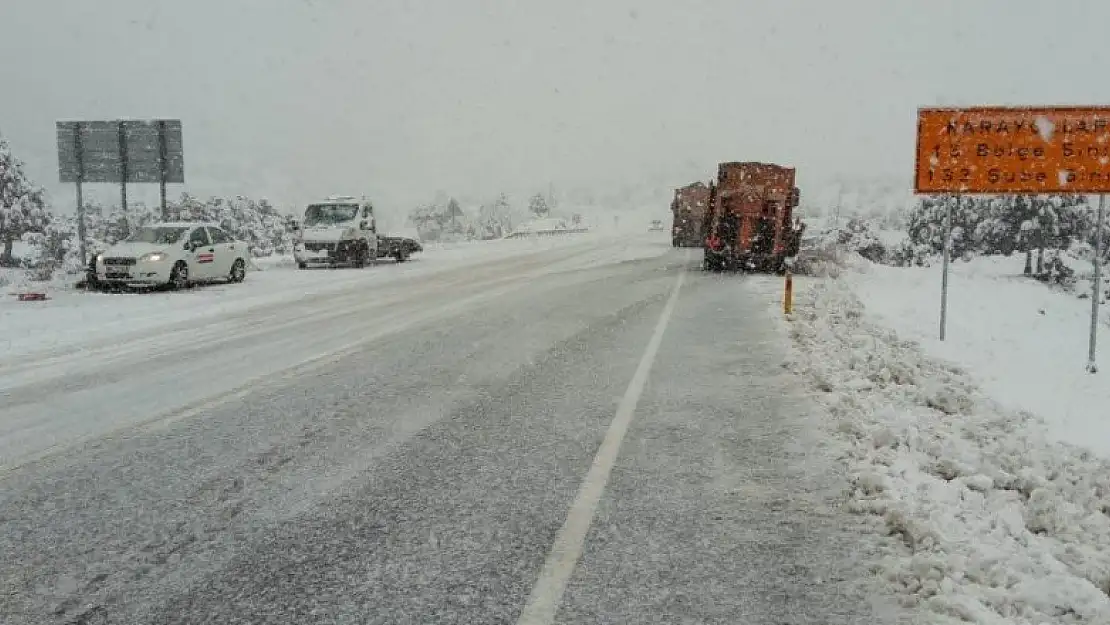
x=338 y=230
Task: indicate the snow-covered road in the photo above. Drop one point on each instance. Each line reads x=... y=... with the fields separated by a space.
x=171 y=354
x=409 y=452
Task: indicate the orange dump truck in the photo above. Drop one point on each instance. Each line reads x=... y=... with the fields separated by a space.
x=749 y=218
x=688 y=209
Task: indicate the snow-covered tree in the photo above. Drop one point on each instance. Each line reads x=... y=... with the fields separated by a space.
x=255 y=222
x=453 y=209
x=926 y=226
x=1002 y=224
x=120 y=223
x=22 y=204
x=443 y=216
x=496 y=218
x=537 y=205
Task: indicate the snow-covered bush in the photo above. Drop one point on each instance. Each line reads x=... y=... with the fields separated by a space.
x=909 y=254
x=255 y=222
x=1001 y=224
x=857 y=236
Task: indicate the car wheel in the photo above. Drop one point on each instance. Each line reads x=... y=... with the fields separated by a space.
x=361 y=255
x=400 y=256
x=179 y=276
x=238 y=271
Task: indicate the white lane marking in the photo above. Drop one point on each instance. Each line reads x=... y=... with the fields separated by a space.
x=547 y=594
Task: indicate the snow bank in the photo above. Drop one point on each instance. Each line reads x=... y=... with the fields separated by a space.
x=1023 y=342
x=989 y=520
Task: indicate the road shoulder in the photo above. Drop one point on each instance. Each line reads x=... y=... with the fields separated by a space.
x=724 y=507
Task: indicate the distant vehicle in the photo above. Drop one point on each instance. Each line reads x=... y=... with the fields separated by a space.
x=688 y=213
x=338 y=230
x=749 y=223
x=399 y=247
x=176 y=255
x=656 y=225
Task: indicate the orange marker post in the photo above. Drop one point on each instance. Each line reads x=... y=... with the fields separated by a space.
x=788 y=299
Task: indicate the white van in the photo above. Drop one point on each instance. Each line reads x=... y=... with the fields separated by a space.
x=338 y=230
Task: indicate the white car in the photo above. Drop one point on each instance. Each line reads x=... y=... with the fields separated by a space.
x=175 y=255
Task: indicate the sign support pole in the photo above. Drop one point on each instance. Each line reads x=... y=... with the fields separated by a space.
x=162 y=167
x=81 y=235
x=122 y=132
x=1092 y=365
x=944 y=270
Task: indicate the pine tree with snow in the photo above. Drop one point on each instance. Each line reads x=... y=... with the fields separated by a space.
x=537 y=205
x=455 y=217
x=504 y=211
x=22 y=204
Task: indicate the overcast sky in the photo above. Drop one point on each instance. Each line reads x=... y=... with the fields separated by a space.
x=295 y=99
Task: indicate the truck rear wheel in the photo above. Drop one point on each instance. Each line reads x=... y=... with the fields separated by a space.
x=360 y=255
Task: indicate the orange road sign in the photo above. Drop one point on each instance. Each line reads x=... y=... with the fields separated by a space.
x=1057 y=149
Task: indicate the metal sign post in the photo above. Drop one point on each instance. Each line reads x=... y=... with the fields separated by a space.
x=121 y=136
x=79 y=152
x=162 y=167
x=947 y=256
x=1092 y=365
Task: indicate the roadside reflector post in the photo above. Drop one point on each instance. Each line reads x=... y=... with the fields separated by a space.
x=944 y=263
x=1096 y=284
x=788 y=296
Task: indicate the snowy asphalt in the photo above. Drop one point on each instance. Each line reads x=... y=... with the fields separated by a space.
x=419 y=469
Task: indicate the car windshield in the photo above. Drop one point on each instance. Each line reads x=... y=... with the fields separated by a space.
x=327 y=214
x=157 y=234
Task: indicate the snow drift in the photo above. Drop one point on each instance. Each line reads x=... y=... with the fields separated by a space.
x=989 y=520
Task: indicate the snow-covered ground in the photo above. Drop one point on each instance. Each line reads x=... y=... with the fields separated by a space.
x=962 y=451
x=1024 y=343
x=72 y=317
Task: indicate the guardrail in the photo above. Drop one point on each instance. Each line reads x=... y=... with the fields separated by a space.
x=546 y=233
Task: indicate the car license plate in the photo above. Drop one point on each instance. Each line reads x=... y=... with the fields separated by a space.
x=115 y=275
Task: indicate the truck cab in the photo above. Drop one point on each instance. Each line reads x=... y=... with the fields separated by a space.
x=338 y=230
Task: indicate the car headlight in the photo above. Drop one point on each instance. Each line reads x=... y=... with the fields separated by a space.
x=153 y=257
